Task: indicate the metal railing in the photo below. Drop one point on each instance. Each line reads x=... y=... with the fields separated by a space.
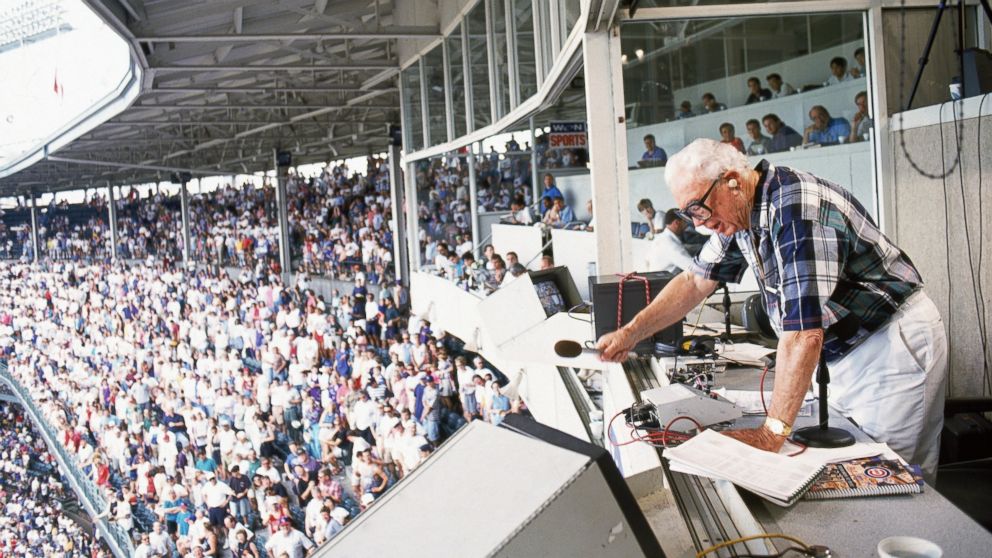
x=89 y=494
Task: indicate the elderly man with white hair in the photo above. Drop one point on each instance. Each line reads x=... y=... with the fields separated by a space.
x=832 y=283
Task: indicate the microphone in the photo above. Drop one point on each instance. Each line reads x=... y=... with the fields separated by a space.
x=572 y=349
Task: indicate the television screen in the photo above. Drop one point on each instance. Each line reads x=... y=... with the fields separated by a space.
x=550 y=297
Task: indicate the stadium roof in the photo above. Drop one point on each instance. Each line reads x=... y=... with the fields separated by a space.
x=223 y=83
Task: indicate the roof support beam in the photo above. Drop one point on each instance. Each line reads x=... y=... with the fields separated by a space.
x=369 y=66
x=133 y=166
x=421 y=32
x=273 y=89
x=252 y=107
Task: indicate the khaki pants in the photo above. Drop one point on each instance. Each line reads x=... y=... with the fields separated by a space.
x=893 y=386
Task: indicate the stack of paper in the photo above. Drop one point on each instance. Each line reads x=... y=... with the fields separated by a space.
x=744 y=354
x=774 y=476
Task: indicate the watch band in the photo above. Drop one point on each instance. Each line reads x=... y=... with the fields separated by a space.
x=777 y=427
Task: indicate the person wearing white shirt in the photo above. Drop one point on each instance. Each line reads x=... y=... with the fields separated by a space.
x=669 y=254
x=216 y=495
x=656 y=221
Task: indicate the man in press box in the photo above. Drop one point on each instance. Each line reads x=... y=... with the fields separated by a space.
x=832 y=283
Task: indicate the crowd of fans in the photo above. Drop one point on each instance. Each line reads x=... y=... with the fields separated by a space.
x=239 y=414
x=338 y=225
x=32 y=495
x=823 y=128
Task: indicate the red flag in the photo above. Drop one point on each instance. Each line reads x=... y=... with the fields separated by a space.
x=59 y=90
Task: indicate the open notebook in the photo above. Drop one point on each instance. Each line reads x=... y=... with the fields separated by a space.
x=774 y=476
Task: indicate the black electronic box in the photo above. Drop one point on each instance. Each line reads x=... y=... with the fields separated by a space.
x=605 y=293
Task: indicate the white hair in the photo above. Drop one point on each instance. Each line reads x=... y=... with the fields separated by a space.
x=702 y=161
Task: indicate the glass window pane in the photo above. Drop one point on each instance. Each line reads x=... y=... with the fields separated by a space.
x=708 y=66
x=770 y=40
x=456 y=59
x=434 y=72
x=523 y=20
x=478 y=57
x=547 y=46
x=502 y=70
x=572 y=12
x=414 y=124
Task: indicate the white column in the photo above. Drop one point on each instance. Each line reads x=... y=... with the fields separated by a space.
x=184 y=210
x=535 y=175
x=34 y=229
x=473 y=201
x=608 y=151
x=412 y=218
x=282 y=214
x=401 y=262
x=112 y=216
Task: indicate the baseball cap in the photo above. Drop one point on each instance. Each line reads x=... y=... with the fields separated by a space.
x=340 y=513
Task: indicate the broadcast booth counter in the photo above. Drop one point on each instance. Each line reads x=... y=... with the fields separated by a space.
x=685 y=511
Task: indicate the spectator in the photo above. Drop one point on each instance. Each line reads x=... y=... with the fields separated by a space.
x=685 y=111
x=710 y=104
x=592 y=218
x=760 y=143
x=783 y=137
x=669 y=253
x=547 y=262
x=565 y=214
x=826 y=130
x=519 y=212
x=729 y=135
x=287 y=541
x=551 y=190
x=862 y=120
x=778 y=87
x=756 y=93
x=653 y=152
x=656 y=221
x=838 y=71
x=861 y=69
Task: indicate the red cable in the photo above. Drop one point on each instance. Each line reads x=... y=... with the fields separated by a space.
x=624 y=279
x=802 y=448
x=761 y=390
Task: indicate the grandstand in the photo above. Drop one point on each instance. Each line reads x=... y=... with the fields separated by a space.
x=261 y=262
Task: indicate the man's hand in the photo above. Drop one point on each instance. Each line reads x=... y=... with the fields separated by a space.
x=615 y=346
x=761 y=438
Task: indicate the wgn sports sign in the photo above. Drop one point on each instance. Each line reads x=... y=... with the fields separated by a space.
x=567 y=135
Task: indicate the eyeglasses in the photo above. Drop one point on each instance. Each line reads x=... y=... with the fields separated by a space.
x=697 y=209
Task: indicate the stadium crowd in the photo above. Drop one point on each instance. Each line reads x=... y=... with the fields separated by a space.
x=338 y=224
x=207 y=406
x=32 y=495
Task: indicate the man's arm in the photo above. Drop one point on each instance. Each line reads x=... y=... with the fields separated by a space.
x=797 y=357
x=682 y=294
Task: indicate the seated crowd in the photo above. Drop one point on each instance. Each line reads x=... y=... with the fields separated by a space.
x=823 y=128
x=32 y=495
x=249 y=415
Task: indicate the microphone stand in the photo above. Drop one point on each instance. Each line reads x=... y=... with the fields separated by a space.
x=726 y=313
x=823 y=435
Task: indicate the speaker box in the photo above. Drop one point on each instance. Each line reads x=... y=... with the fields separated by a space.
x=605 y=293
x=521 y=489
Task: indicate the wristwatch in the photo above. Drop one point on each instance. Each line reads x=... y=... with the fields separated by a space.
x=777 y=427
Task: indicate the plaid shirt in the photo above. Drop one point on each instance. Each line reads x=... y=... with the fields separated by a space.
x=819 y=258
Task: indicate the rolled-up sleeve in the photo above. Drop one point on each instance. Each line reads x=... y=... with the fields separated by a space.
x=810 y=259
x=720 y=260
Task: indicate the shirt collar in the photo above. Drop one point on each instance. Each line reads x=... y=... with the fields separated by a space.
x=759 y=214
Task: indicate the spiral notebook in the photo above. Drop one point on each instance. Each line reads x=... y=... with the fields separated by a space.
x=778 y=478
x=872 y=476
